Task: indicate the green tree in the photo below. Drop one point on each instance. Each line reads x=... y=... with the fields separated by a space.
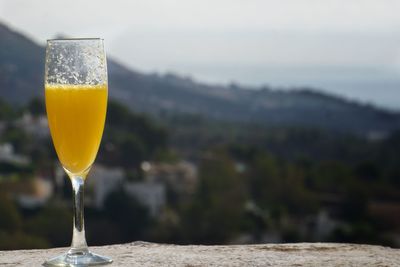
x=265 y=180
x=130 y=138
x=53 y=224
x=217 y=210
x=36 y=107
x=6 y=111
x=10 y=219
x=11 y=226
x=128 y=215
x=20 y=240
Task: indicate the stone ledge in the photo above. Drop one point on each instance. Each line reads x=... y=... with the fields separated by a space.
x=149 y=254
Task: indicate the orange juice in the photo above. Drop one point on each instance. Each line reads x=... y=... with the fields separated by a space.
x=76 y=115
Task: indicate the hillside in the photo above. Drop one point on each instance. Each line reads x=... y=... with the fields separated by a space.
x=21 y=78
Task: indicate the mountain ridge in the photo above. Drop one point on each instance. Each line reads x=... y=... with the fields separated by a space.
x=21 y=78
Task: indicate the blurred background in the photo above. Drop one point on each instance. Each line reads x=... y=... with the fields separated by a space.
x=229 y=122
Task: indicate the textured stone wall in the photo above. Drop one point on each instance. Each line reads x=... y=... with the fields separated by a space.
x=148 y=254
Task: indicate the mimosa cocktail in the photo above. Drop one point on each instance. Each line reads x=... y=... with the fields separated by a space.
x=76 y=103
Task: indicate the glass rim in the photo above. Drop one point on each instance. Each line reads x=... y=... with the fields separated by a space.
x=75 y=39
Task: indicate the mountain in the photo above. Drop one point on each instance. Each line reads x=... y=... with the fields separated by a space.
x=21 y=67
x=21 y=78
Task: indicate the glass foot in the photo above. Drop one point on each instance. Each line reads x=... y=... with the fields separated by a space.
x=74 y=260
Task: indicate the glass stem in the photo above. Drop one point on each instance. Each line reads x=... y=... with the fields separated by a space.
x=79 y=245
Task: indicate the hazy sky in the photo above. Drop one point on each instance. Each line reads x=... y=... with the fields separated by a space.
x=346 y=47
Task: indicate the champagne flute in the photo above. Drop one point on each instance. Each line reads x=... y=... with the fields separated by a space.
x=76 y=103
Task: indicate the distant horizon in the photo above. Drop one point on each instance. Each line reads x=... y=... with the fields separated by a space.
x=349 y=90
x=253 y=43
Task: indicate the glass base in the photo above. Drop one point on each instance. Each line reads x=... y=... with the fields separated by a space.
x=85 y=259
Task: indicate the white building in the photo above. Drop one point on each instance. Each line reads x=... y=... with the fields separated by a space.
x=39 y=193
x=151 y=195
x=7 y=154
x=181 y=176
x=102 y=181
x=37 y=126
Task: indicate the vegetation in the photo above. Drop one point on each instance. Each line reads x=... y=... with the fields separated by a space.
x=254 y=184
